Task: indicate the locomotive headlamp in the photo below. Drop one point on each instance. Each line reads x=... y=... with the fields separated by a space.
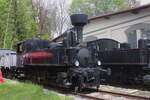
x=77 y=63
x=99 y=63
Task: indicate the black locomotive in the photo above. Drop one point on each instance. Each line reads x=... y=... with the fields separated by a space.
x=69 y=64
x=73 y=63
x=126 y=65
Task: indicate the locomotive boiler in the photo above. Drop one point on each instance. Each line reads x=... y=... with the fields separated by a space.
x=69 y=64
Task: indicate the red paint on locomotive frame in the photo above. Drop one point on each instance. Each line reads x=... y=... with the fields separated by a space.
x=38 y=57
x=41 y=54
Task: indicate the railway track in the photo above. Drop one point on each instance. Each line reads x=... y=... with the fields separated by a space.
x=126 y=95
x=88 y=97
x=100 y=95
x=107 y=95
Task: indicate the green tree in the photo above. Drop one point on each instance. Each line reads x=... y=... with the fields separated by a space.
x=16 y=22
x=3 y=19
x=96 y=7
x=52 y=16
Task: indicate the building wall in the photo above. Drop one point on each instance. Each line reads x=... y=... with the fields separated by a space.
x=7 y=58
x=115 y=27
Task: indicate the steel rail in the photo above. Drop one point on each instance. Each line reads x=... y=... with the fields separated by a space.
x=125 y=95
x=89 y=97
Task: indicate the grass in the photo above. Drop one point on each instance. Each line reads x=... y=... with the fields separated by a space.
x=12 y=90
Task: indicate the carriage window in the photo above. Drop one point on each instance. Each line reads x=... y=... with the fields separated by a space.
x=107 y=44
x=103 y=44
x=12 y=53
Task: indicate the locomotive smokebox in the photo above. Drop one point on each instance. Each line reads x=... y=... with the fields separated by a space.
x=79 y=20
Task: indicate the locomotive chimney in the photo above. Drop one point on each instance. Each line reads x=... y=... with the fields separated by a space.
x=79 y=21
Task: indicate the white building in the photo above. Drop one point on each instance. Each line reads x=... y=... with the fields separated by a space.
x=7 y=58
x=126 y=26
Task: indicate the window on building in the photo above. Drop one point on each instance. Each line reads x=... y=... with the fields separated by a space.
x=132 y=39
x=145 y=34
x=136 y=32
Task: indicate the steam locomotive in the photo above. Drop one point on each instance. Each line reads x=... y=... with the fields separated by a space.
x=126 y=65
x=76 y=64
x=67 y=64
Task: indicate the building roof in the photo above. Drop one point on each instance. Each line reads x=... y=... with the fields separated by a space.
x=132 y=10
x=107 y=16
x=58 y=37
